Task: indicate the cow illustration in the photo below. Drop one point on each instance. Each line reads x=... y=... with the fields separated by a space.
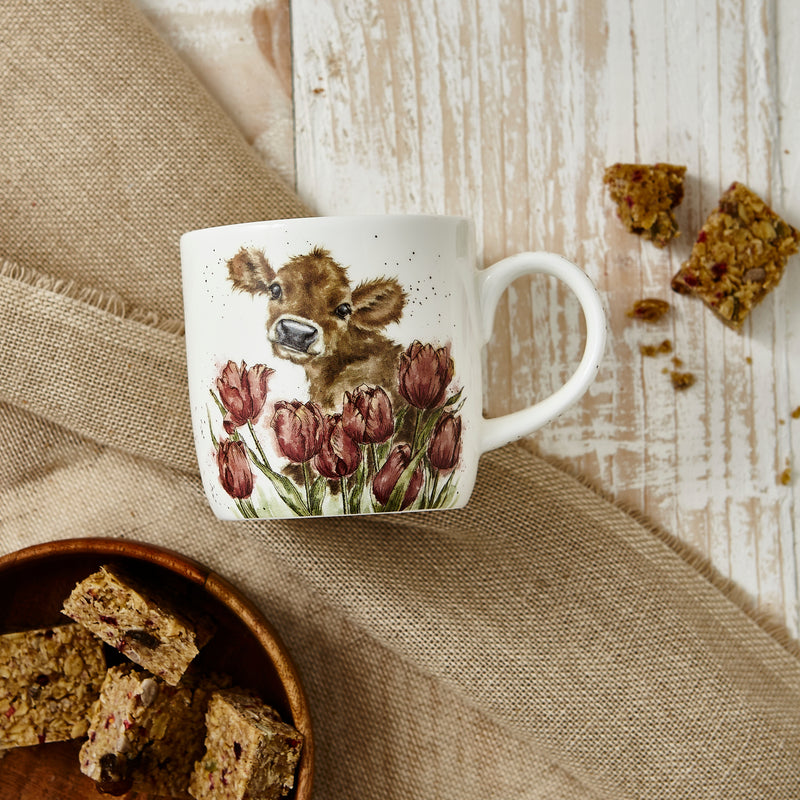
x=316 y=319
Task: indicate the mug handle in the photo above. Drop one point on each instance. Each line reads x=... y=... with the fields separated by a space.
x=491 y=283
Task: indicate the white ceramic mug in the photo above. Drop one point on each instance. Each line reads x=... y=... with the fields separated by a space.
x=335 y=362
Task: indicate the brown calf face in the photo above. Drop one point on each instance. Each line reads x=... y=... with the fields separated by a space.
x=313 y=314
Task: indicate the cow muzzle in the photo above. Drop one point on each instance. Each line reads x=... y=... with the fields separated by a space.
x=297 y=335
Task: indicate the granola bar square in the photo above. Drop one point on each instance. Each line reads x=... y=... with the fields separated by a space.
x=739 y=256
x=49 y=679
x=646 y=195
x=249 y=751
x=133 y=710
x=143 y=625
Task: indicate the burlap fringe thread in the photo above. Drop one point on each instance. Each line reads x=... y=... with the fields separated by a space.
x=98 y=298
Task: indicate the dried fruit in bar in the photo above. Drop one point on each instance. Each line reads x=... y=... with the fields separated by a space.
x=646 y=195
x=739 y=256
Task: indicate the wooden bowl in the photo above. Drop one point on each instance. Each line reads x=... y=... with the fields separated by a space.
x=33 y=585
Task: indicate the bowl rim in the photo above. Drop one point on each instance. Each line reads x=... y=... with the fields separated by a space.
x=221 y=590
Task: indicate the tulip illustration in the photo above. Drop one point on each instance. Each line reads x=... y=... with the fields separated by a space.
x=445 y=445
x=424 y=374
x=388 y=475
x=367 y=415
x=444 y=450
x=243 y=392
x=339 y=455
x=234 y=470
x=299 y=428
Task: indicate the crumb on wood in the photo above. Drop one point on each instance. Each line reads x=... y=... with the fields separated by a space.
x=649 y=309
x=796 y=413
x=681 y=380
x=651 y=350
x=785 y=478
x=677 y=362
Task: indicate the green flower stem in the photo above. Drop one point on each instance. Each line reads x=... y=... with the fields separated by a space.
x=211 y=428
x=432 y=495
x=308 y=490
x=258 y=444
x=344 y=495
x=373 y=467
x=220 y=406
x=416 y=431
x=246 y=508
x=447 y=484
x=265 y=468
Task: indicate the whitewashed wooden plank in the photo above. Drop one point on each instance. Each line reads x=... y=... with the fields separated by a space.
x=786 y=195
x=688 y=45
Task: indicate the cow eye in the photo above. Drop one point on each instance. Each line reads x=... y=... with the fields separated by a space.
x=275 y=291
x=343 y=311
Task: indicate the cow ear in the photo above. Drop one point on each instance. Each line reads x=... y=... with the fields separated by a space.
x=249 y=271
x=376 y=303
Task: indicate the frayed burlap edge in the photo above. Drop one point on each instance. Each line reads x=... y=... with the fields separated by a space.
x=101 y=299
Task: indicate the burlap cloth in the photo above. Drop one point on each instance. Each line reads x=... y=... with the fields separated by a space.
x=541 y=643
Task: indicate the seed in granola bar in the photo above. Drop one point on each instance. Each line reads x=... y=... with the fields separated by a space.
x=646 y=195
x=650 y=309
x=755 y=275
x=681 y=380
x=149 y=691
x=738 y=257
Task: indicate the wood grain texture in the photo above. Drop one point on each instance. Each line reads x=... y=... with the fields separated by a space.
x=509 y=112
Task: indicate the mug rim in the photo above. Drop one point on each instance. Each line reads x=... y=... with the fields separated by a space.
x=333 y=218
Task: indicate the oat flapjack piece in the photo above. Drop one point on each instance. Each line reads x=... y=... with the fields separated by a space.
x=249 y=752
x=49 y=679
x=646 y=195
x=134 y=709
x=138 y=621
x=165 y=765
x=739 y=256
